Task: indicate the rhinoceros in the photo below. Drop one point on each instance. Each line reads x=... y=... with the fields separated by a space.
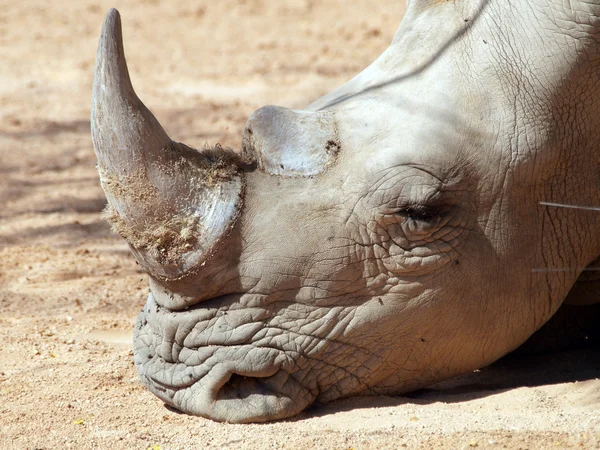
x=417 y=223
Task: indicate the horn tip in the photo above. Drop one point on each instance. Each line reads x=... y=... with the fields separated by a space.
x=112 y=24
x=112 y=16
x=111 y=67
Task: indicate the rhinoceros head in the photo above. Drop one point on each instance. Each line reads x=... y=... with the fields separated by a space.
x=394 y=233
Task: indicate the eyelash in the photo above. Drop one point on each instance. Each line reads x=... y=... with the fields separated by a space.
x=419 y=214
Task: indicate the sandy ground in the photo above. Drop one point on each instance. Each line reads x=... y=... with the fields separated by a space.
x=70 y=291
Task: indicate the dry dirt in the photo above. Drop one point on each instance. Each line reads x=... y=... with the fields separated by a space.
x=70 y=291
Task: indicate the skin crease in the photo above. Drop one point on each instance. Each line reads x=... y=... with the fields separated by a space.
x=410 y=259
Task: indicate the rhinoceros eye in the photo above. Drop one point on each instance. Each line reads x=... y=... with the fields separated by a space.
x=420 y=213
x=419 y=220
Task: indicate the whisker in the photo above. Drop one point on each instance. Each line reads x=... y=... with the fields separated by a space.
x=562 y=205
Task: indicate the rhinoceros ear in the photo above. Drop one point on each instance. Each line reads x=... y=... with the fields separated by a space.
x=171 y=203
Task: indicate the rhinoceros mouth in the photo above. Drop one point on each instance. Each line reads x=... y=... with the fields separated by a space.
x=206 y=363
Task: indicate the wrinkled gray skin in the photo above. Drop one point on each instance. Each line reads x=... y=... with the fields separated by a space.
x=402 y=230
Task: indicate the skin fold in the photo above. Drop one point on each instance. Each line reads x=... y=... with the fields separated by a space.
x=406 y=228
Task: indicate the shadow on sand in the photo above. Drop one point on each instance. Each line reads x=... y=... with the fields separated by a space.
x=514 y=371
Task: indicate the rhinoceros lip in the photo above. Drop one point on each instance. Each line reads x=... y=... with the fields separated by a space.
x=224 y=374
x=205 y=344
x=216 y=376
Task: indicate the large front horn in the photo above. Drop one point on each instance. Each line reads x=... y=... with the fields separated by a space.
x=171 y=203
